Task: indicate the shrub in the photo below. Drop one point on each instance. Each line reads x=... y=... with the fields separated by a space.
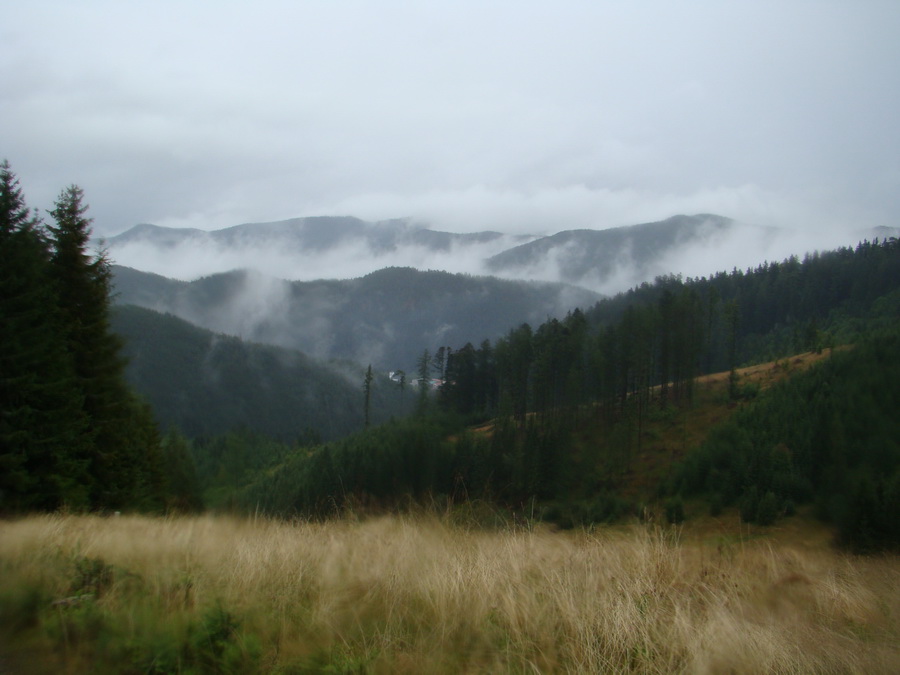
x=675 y=510
x=750 y=505
x=92 y=575
x=767 y=511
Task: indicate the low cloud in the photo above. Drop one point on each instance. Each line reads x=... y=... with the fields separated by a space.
x=548 y=210
x=748 y=245
x=201 y=256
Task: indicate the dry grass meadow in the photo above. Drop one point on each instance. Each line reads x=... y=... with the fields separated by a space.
x=422 y=594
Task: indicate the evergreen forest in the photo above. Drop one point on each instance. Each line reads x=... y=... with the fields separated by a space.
x=552 y=422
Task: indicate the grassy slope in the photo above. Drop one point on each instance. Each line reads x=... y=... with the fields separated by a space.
x=668 y=437
x=427 y=594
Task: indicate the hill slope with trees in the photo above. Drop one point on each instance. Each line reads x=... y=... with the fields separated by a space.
x=385 y=318
x=575 y=400
x=206 y=384
x=830 y=436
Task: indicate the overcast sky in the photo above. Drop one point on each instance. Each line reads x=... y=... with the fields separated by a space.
x=516 y=116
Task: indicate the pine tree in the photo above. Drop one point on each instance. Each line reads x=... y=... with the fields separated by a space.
x=732 y=322
x=125 y=452
x=401 y=384
x=514 y=354
x=439 y=361
x=41 y=423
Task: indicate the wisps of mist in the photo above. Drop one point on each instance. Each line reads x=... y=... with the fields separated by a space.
x=200 y=255
x=283 y=297
x=713 y=251
x=197 y=254
x=748 y=247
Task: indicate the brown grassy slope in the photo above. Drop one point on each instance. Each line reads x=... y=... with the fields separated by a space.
x=414 y=595
x=668 y=435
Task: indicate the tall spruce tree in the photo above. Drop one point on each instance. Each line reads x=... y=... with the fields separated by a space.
x=125 y=457
x=42 y=425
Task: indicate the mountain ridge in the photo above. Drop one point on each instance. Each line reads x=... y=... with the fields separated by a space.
x=316 y=233
x=387 y=317
x=343 y=247
x=606 y=261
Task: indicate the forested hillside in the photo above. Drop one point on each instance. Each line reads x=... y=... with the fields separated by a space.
x=666 y=333
x=206 y=384
x=830 y=436
x=72 y=433
x=778 y=307
x=574 y=401
x=385 y=318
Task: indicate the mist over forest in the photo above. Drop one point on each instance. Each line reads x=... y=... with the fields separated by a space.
x=296 y=283
x=604 y=260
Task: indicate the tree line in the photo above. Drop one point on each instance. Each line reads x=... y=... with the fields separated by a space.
x=652 y=341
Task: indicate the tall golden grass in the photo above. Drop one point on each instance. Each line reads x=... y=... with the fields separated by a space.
x=418 y=594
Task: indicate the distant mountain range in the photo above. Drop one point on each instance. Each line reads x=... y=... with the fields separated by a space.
x=297 y=283
x=307 y=249
x=592 y=257
x=606 y=261
x=316 y=234
x=386 y=318
x=271 y=325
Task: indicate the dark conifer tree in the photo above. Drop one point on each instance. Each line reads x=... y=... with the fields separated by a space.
x=125 y=455
x=732 y=322
x=486 y=373
x=514 y=359
x=667 y=320
x=439 y=361
x=402 y=384
x=41 y=423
